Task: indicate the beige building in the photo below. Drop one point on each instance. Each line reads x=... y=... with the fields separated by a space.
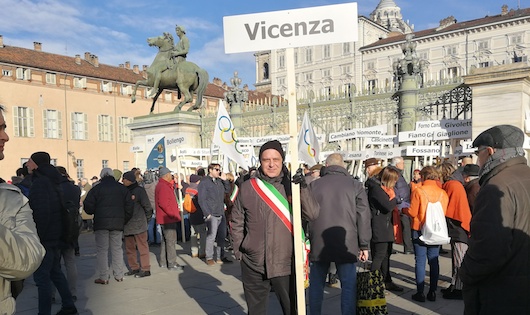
x=77 y=109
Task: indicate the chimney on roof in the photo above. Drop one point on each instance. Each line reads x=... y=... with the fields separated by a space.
x=37 y=46
x=87 y=56
x=121 y=65
x=448 y=21
x=1 y=41
x=225 y=86
x=127 y=65
x=217 y=81
x=136 y=69
x=95 y=60
x=144 y=68
x=245 y=87
x=78 y=59
x=504 y=9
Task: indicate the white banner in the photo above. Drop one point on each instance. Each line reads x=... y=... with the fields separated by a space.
x=423 y=150
x=137 y=148
x=193 y=152
x=308 y=146
x=291 y=28
x=193 y=163
x=369 y=132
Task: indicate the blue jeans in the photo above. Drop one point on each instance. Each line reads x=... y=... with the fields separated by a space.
x=348 y=282
x=422 y=253
x=50 y=271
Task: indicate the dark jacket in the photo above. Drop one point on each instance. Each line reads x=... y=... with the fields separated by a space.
x=142 y=212
x=496 y=267
x=197 y=217
x=259 y=236
x=402 y=190
x=381 y=209
x=111 y=204
x=343 y=225
x=46 y=205
x=212 y=195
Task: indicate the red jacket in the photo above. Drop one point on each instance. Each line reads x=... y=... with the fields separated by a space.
x=167 y=209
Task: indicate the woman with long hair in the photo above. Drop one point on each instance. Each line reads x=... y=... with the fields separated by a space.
x=382 y=200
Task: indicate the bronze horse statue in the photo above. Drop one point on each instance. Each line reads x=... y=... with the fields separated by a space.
x=185 y=76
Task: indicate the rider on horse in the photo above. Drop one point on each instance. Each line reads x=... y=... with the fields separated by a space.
x=178 y=53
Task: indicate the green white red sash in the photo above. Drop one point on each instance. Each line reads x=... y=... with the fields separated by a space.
x=234 y=193
x=280 y=206
x=276 y=201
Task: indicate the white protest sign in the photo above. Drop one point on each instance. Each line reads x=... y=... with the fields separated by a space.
x=290 y=28
x=193 y=163
x=423 y=150
x=193 y=151
x=137 y=148
x=373 y=131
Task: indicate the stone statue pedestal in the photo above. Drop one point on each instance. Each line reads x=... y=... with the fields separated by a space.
x=501 y=95
x=179 y=129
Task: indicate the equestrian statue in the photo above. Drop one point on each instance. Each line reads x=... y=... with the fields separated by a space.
x=170 y=70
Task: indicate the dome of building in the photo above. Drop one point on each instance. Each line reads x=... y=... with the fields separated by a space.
x=388 y=14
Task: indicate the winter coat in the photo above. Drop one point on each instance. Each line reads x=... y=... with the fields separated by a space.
x=21 y=249
x=381 y=208
x=343 y=225
x=71 y=192
x=142 y=212
x=167 y=209
x=46 y=205
x=212 y=195
x=111 y=204
x=496 y=268
x=402 y=190
x=260 y=238
x=458 y=214
x=472 y=189
x=429 y=191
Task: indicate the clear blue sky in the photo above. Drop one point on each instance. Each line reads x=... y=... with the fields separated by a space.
x=116 y=30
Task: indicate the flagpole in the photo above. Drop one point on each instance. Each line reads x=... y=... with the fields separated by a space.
x=293 y=152
x=179 y=195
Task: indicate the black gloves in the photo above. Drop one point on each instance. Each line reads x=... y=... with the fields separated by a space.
x=299 y=178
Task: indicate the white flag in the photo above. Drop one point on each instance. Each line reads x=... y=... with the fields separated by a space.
x=225 y=137
x=308 y=147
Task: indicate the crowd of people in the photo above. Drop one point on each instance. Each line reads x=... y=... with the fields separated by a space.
x=486 y=208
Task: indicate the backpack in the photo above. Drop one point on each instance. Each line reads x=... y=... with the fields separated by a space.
x=70 y=218
x=434 y=231
x=189 y=204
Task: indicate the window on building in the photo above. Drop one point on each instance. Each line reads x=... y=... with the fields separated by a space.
x=51 y=78
x=423 y=55
x=265 y=71
x=327 y=92
x=148 y=91
x=372 y=85
x=519 y=58
x=326 y=51
x=79 y=126
x=105 y=128
x=450 y=50
x=124 y=133
x=126 y=166
x=53 y=161
x=281 y=61
x=483 y=45
x=345 y=69
x=167 y=96
x=106 y=86
x=296 y=57
x=452 y=72
x=80 y=83
x=308 y=76
x=23 y=121
x=52 y=124
x=104 y=163
x=516 y=39
x=370 y=65
x=484 y=64
x=326 y=73
x=346 y=48
x=281 y=81
x=126 y=89
x=7 y=73
x=23 y=74
x=80 y=168
x=309 y=55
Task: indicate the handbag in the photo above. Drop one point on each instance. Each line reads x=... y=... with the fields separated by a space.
x=371 y=293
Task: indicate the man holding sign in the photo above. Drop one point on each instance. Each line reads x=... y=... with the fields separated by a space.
x=262 y=231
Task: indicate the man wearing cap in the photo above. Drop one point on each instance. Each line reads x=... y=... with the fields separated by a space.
x=16 y=227
x=112 y=206
x=496 y=268
x=45 y=200
x=135 y=230
x=372 y=167
x=167 y=215
x=212 y=190
x=262 y=231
